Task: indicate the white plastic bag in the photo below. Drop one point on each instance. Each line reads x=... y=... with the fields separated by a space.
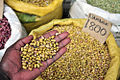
x=81 y=9
x=17 y=30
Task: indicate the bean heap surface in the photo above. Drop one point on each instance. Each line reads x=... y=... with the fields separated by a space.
x=85 y=59
x=5 y=32
x=41 y=3
x=38 y=51
x=112 y=6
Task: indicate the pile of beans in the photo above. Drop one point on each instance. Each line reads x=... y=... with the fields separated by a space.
x=85 y=59
x=38 y=51
x=5 y=32
x=41 y=3
x=112 y=6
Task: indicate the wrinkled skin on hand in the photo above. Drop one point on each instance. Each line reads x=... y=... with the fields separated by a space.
x=11 y=62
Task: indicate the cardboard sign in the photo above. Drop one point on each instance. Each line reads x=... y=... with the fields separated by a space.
x=97 y=27
x=1 y=8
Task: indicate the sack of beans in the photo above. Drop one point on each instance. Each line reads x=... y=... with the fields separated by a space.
x=11 y=30
x=33 y=13
x=108 y=9
x=86 y=58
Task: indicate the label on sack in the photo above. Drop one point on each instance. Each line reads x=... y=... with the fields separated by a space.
x=97 y=27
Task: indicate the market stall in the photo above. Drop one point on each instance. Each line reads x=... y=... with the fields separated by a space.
x=86 y=31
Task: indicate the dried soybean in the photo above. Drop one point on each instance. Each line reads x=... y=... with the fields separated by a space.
x=41 y=3
x=37 y=51
x=85 y=59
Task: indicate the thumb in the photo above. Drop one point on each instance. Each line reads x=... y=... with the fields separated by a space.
x=22 y=42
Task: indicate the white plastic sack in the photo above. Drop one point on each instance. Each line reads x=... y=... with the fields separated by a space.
x=80 y=9
x=17 y=30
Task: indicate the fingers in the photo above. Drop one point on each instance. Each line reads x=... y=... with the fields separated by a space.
x=64 y=42
x=58 y=38
x=49 y=34
x=57 y=56
x=26 y=40
x=62 y=36
x=22 y=42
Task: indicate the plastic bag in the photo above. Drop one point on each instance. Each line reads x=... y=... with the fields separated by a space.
x=17 y=30
x=113 y=71
x=32 y=15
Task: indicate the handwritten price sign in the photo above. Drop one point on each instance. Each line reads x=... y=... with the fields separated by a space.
x=97 y=27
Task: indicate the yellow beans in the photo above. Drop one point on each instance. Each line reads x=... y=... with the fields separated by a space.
x=85 y=59
x=41 y=3
x=38 y=51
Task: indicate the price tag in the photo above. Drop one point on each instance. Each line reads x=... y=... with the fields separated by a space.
x=1 y=8
x=97 y=27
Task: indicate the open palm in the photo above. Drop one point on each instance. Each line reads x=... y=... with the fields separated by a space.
x=11 y=62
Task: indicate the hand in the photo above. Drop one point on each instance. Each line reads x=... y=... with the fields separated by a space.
x=11 y=62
